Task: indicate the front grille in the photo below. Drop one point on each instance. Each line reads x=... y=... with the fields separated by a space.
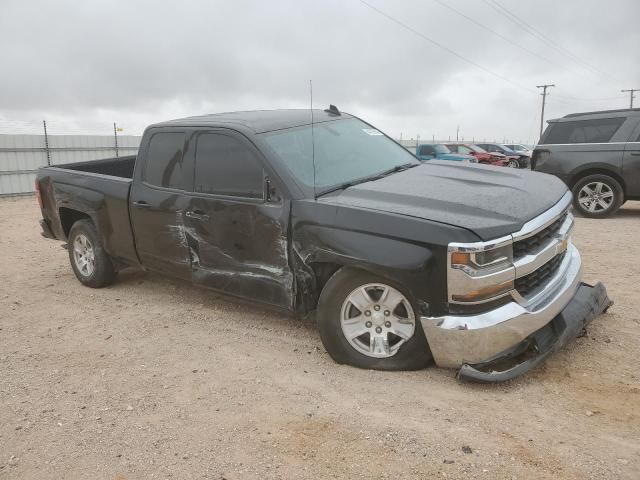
x=529 y=283
x=534 y=242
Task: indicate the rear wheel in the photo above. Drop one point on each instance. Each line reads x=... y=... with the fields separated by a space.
x=368 y=322
x=597 y=196
x=91 y=264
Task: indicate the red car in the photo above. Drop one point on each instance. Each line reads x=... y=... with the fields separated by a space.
x=498 y=159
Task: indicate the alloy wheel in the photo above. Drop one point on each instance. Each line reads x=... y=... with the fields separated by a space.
x=596 y=197
x=377 y=320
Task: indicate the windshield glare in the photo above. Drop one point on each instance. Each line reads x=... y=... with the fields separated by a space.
x=345 y=150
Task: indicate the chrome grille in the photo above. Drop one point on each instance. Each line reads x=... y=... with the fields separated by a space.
x=533 y=243
x=529 y=283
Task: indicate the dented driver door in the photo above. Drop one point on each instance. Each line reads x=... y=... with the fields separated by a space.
x=236 y=236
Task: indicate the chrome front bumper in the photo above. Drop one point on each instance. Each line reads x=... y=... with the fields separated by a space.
x=456 y=340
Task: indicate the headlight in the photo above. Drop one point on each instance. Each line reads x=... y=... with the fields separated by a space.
x=477 y=275
x=475 y=262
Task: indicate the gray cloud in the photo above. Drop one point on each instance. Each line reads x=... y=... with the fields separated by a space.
x=86 y=64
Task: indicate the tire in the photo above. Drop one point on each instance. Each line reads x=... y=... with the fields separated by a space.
x=597 y=196
x=513 y=163
x=91 y=264
x=410 y=353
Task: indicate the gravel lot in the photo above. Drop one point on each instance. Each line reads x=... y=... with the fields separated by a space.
x=152 y=378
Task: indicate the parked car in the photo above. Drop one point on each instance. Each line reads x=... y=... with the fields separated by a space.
x=523 y=161
x=520 y=148
x=437 y=151
x=597 y=154
x=497 y=159
x=402 y=261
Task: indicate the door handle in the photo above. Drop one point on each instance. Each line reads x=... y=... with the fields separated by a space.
x=197 y=215
x=141 y=204
x=635 y=154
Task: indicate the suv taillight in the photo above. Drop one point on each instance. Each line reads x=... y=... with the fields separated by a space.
x=38 y=196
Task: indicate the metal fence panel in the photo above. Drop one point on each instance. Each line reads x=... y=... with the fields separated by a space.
x=22 y=155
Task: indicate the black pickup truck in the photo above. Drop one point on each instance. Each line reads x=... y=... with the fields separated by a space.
x=317 y=211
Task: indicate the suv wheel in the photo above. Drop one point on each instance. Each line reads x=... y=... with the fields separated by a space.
x=597 y=196
x=368 y=322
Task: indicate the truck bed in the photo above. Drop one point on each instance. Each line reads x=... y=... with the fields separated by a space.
x=116 y=167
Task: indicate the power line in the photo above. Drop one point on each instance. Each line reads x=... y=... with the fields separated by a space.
x=540 y=36
x=507 y=39
x=631 y=95
x=443 y=47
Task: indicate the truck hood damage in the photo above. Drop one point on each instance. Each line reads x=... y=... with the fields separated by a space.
x=489 y=201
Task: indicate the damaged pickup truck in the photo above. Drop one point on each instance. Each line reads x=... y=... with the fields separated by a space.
x=403 y=262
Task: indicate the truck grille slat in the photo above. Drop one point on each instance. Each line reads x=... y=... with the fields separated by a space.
x=533 y=281
x=533 y=243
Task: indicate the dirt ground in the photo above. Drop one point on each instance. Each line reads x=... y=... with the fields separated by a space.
x=151 y=378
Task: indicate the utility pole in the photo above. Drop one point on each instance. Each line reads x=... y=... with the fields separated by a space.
x=544 y=101
x=631 y=95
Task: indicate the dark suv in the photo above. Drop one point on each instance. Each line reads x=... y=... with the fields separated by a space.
x=597 y=154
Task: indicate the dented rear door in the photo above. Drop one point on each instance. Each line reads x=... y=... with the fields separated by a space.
x=236 y=236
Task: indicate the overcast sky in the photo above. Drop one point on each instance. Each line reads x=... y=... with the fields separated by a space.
x=84 y=64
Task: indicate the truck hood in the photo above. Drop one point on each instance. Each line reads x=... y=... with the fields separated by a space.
x=488 y=201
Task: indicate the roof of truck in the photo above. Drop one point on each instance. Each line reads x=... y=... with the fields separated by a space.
x=259 y=121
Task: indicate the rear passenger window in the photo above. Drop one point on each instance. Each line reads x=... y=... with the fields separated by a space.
x=227 y=166
x=164 y=166
x=584 y=131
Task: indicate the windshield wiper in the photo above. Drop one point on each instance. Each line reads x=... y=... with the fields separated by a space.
x=377 y=176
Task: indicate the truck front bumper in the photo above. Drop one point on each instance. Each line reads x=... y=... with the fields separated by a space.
x=508 y=341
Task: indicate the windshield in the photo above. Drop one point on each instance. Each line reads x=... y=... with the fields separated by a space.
x=477 y=149
x=345 y=151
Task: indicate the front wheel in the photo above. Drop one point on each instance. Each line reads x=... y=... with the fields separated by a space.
x=597 y=196
x=368 y=322
x=91 y=264
x=513 y=163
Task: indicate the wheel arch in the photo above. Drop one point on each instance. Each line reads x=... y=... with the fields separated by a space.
x=69 y=216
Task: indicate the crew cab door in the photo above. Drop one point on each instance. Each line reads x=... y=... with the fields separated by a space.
x=157 y=201
x=631 y=164
x=237 y=234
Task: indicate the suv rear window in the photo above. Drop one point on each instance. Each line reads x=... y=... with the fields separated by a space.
x=583 y=131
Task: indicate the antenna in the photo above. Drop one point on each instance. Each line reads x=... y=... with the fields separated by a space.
x=313 y=141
